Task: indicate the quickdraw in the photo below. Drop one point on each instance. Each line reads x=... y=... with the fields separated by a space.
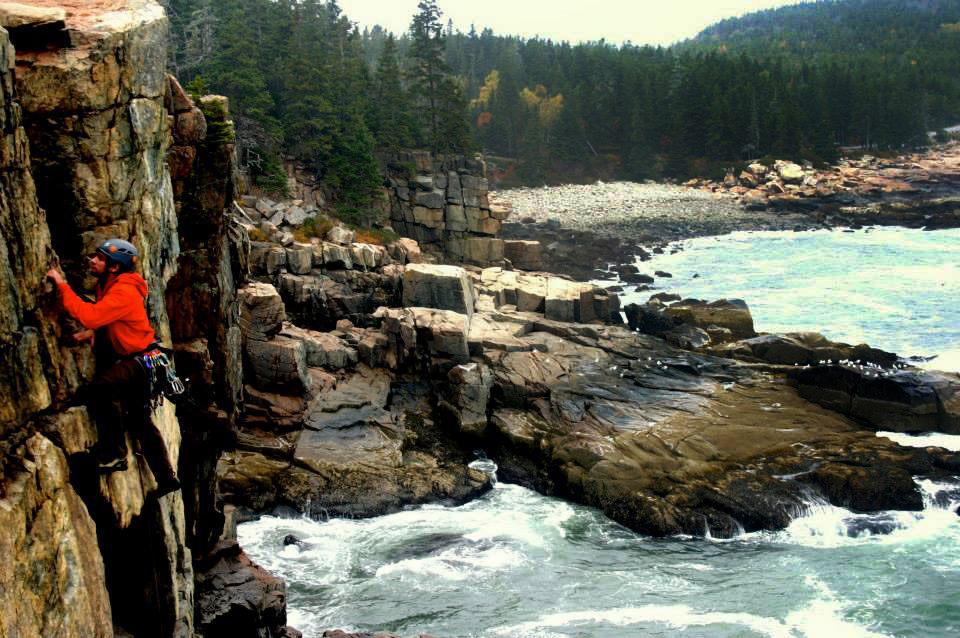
x=161 y=377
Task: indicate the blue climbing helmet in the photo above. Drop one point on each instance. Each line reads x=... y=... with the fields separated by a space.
x=120 y=251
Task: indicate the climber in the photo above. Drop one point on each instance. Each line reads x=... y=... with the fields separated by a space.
x=120 y=396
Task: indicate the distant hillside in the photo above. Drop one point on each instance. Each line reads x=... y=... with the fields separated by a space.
x=834 y=29
x=799 y=82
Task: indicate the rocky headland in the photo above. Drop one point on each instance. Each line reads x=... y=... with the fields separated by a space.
x=336 y=377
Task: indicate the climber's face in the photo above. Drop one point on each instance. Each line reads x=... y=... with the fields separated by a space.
x=98 y=264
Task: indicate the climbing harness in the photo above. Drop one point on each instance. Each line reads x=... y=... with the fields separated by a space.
x=161 y=377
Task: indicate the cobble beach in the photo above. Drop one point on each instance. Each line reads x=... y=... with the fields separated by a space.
x=640 y=212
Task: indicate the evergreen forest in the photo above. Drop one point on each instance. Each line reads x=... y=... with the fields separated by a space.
x=799 y=82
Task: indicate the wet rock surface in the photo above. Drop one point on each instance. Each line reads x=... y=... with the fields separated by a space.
x=662 y=438
x=234 y=595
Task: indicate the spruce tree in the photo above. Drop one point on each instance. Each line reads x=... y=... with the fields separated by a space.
x=391 y=113
x=427 y=66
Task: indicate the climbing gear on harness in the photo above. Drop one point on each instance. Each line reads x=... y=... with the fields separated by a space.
x=161 y=377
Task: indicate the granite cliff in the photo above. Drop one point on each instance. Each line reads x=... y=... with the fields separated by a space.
x=99 y=142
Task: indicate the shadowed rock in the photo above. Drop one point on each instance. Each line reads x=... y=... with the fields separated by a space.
x=732 y=314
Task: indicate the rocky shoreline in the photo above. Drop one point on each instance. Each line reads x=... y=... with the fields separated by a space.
x=647 y=213
x=619 y=220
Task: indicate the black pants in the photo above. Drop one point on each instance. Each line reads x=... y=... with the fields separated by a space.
x=119 y=404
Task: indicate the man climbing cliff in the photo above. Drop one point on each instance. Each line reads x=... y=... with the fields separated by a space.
x=120 y=395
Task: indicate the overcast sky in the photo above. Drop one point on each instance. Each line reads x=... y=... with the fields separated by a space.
x=639 y=21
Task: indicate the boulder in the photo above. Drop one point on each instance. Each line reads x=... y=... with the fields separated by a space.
x=337 y=256
x=733 y=314
x=501 y=211
x=405 y=250
x=523 y=254
x=899 y=401
x=531 y=293
x=790 y=173
x=562 y=300
x=466 y=400
x=322 y=349
x=340 y=235
x=295 y=216
x=440 y=287
x=687 y=337
x=804 y=348
x=261 y=311
x=649 y=319
x=636 y=278
x=757 y=169
x=280 y=363
x=364 y=256
x=483 y=251
x=234 y=594
x=285 y=238
x=265 y=206
x=300 y=258
x=754 y=200
x=274 y=260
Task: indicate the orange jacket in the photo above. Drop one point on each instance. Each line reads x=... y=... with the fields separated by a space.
x=119 y=307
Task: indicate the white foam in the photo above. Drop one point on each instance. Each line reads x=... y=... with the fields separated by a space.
x=432 y=567
x=821 y=618
x=948 y=441
x=673 y=616
x=824 y=525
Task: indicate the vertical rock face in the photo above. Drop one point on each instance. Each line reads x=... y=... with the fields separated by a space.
x=201 y=298
x=443 y=203
x=93 y=109
x=25 y=388
x=84 y=118
x=91 y=116
x=52 y=576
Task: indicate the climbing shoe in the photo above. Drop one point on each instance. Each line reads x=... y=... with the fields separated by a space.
x=167 y=485
x=113 y=465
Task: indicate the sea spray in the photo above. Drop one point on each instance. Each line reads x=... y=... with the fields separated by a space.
x=515 y=560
